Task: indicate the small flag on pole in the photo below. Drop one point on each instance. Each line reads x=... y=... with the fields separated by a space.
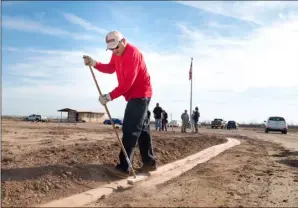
x=190 y=70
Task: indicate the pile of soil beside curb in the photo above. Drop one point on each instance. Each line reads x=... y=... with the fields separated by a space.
x=49 y=173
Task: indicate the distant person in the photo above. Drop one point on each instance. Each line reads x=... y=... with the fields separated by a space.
x=192 y=121
x=164 y=120
x=196 y=118
x=157 y=116
x=185 y=120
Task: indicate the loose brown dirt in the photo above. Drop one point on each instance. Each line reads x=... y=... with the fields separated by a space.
x=47 y=161
x=254 y=174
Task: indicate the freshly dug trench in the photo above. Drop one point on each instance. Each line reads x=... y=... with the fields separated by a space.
x=60 y=171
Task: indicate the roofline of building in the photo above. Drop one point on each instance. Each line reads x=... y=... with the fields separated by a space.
x=90 y=112
x=66 y=110
x=69 y=109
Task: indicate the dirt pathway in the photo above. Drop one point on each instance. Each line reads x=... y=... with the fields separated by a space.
x=255 y=173
x=289 y=141
x=39 y=173
x=46 y=161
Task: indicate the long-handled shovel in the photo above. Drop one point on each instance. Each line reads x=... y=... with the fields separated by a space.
x=108 y=112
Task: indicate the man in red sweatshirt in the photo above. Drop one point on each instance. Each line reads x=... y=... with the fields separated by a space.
x=135 y=85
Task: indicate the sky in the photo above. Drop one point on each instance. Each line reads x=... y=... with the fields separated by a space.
x=245 y=64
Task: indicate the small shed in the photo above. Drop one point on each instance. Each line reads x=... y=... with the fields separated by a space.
x=71 y=114
x=85 y=116
x=89 y=116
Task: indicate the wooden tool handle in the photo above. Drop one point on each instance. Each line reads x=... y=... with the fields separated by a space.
x=112 y=122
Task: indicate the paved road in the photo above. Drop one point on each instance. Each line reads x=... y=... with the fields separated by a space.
x=289 y=140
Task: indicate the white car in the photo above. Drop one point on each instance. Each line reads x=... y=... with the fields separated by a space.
x=276 y=123
x=175 y=123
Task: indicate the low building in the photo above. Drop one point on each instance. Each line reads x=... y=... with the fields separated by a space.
x=83 y=116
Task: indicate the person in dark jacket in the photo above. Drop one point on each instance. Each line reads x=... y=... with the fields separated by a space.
x=192 y=124
x=164 y=120
x=134 y=84
x=157 y=116
x=196 y=117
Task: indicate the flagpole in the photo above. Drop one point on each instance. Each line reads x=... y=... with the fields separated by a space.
x=191 y=75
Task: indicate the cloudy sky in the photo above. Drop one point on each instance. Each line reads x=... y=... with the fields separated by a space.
x=245 y=56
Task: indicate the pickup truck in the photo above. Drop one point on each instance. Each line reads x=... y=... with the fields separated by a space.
x=35 y=117
x=217 y=122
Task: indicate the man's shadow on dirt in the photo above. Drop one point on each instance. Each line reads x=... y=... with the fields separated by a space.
x=92 y=172
x=287 y=160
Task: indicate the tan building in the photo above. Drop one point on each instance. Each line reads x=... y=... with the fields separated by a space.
x=85 y=116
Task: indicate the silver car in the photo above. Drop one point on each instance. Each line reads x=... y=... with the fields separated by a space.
x=276 y=123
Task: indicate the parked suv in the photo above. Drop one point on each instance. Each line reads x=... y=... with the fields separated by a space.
x=276 y=123
x=232 y=125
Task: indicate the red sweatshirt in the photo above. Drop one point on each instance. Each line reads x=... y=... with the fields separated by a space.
x=133 y=78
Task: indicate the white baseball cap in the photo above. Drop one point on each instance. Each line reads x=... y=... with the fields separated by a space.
x=112 y=39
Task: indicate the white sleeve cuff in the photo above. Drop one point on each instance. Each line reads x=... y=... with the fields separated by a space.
x=108 y=97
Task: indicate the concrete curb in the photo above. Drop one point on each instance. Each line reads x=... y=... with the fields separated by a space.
x=161 y=175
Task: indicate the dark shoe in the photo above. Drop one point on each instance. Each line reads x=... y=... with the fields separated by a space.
x=117 y=172
x=147 y=168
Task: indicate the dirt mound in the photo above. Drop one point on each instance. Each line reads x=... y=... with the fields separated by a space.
x=58 y=171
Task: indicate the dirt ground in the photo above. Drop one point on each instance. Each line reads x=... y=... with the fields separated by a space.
x=291 y=129
x=46 y=161
x=254 y=174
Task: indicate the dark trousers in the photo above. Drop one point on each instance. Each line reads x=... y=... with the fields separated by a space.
x=164 y=124
x=196 y=125
x=136 y=128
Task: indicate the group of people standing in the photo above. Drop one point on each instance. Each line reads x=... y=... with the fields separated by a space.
x=161 y=119
x=194 y=122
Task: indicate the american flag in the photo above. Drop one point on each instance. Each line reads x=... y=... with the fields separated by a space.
x=190 y=70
